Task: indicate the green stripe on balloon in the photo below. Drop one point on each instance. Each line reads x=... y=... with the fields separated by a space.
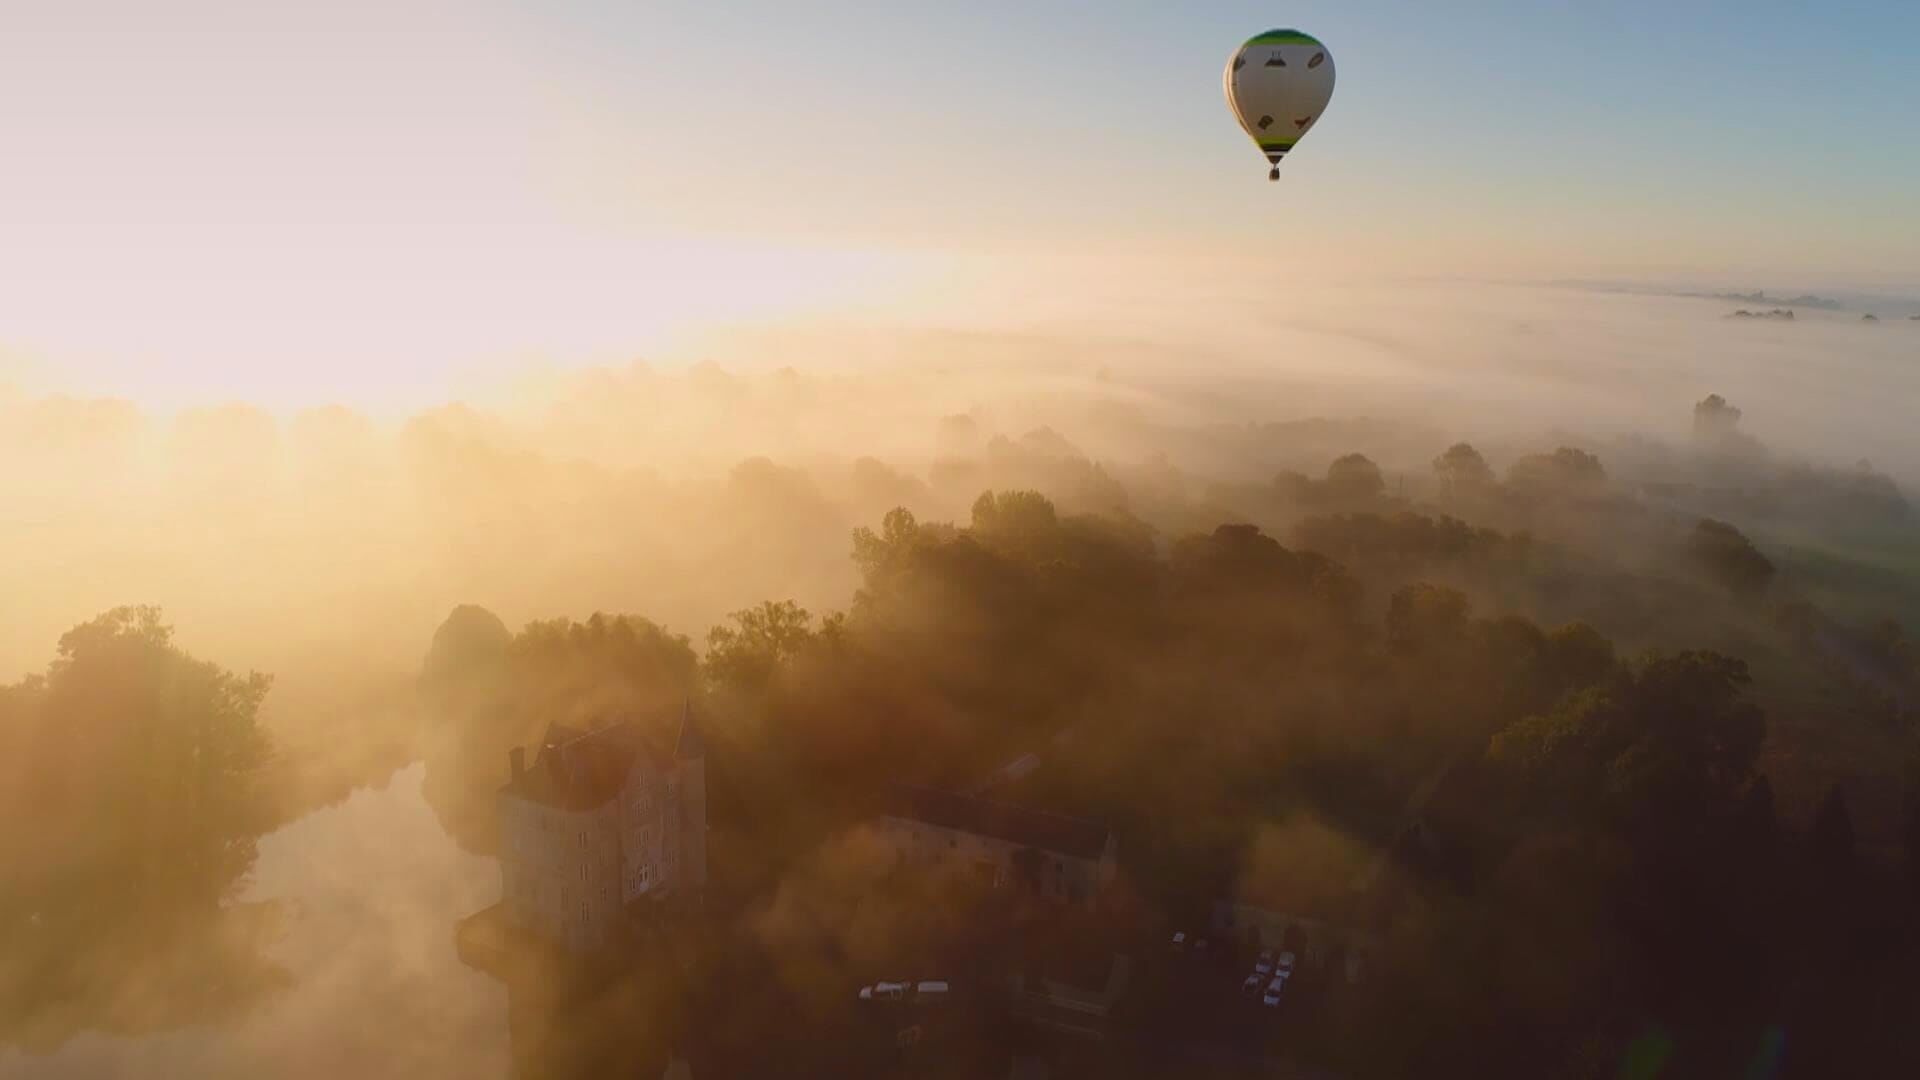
x=1283 y=37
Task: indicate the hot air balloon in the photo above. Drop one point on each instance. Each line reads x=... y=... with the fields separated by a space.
x=1278 y=84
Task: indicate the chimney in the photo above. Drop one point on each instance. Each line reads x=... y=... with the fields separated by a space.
x=517 y=759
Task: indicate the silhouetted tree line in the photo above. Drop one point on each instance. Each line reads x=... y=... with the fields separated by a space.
x=129 y=808
x=1603 y=877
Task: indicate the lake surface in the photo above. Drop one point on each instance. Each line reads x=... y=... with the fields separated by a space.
x=368 y=892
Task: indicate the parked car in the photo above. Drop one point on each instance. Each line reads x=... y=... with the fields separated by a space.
x=1179 y=939
x=1272 y=996
x=931 y=992
x=1264 y=965
x=1286 y=962
x=884 y=991
x=1253 y=982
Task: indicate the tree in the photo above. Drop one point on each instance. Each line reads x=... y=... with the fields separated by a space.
x=1423 y=615
x=877 y=554
x=147 y=759
x=958 y=434
x=1726 y=555
x=1354 y=478
x=1296 y=488
x=761 y=640
x=470 y=640
x=1714 y=419
x=1462 y=471
x=128 y=814
x=1577 y=655
x=1565 y=472
x=1014 y=519
x=1658 y=745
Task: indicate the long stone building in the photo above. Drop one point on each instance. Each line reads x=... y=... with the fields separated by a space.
x=602 y=820
x=1064 y=859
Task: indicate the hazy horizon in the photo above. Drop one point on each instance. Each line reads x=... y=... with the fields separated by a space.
x=391 y=205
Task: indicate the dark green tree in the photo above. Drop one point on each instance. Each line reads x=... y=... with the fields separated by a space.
x=1658 y=744
x=1354 y=478
x=1565 y=472
x=1725 y=555
x=761 y=640
x=1422 y=615
x=1462 y=471
x=1022 y=521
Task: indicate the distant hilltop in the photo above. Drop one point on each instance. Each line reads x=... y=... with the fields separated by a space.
x=1820 y=303
x=1776 y=313
x=1892 y=303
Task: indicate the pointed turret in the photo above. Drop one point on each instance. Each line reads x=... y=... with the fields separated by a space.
x=691 y=744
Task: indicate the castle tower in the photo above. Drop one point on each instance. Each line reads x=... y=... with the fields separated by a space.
x=690 y=760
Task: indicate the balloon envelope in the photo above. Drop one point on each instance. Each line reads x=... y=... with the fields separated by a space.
x=1278 y=84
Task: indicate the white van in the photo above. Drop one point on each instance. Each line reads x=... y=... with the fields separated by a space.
x=931 y=992
x=884 y=991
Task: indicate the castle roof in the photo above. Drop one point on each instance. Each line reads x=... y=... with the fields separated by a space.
x=582 y=769
x=691 y=743
x=1001 y=821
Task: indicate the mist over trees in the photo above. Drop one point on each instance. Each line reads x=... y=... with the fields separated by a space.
x=1660 y=699
x=1603 y=826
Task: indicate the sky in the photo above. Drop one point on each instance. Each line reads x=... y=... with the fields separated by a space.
x=383 y=200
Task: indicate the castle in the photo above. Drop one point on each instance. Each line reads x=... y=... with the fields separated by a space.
x=608 y=818
x=1063 y=859
x=603 y=819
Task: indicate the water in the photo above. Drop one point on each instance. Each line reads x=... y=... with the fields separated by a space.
x=367 y=892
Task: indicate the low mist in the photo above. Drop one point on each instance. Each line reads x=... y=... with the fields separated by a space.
x=1380 y=544
x=692 y=487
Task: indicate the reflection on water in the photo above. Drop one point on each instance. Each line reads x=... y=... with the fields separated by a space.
x=367 y=893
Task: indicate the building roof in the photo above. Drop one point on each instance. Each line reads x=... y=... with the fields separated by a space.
x=578 y=770
x=1001 y=821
